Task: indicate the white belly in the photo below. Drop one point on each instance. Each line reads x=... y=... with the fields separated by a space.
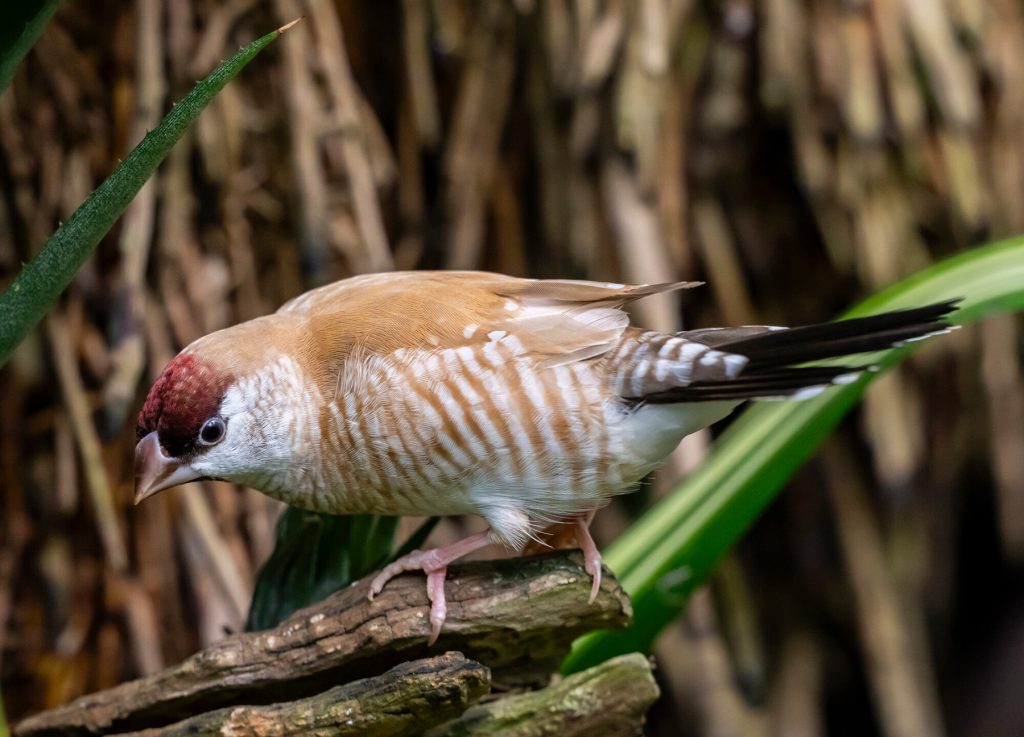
x=517 y=444
x=649 y=434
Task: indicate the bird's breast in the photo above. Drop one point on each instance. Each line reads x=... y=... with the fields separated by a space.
x=450 y=431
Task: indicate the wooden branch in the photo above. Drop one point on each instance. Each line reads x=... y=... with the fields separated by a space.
x=406 y=700
x=517 y=617
x=607 y=700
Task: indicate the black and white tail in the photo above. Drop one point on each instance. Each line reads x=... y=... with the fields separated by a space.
x=750 y=362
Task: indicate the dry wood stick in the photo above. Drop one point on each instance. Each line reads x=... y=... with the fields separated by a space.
x=138 y=223
x=901 y=679
x=419 y=72
x=1004 y=388
x=88 y=442
x=796 y=704
x=304 y=119
x=236 y=588
x=345 y=96
x=478 y=121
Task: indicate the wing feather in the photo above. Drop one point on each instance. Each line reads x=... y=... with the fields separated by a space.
x=557 y=321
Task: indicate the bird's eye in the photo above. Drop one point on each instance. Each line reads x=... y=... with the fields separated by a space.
x=212 y=431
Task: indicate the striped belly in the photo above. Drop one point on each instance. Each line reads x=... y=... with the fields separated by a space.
x=475 y=429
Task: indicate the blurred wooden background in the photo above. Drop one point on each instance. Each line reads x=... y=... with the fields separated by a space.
x=796 y=155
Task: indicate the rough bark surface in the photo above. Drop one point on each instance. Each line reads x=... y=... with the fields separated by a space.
x=608 y=700
x=405 y=700
x=517 y=617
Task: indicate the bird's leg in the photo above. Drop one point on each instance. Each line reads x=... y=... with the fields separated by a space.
x=434 y=563
x=591 y=555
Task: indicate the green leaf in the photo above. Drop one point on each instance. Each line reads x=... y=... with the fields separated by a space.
x=21 y=24
x=317 y=554
x=3 y=719
x=671 y=550
x=41 y=281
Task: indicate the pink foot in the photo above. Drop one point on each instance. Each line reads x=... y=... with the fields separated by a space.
x=591 y=555
x=434 y=563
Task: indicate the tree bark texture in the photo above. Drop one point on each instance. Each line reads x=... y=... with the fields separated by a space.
x=405 y=700
x=517 y=617
x=608 y=700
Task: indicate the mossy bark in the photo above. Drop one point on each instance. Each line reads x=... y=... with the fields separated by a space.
x=517 y=617
x=608 y=700
x=405 y=700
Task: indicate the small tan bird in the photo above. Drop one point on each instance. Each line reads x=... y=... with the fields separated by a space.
x=523 y=401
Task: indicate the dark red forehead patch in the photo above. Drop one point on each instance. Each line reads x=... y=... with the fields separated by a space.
x=188 y=393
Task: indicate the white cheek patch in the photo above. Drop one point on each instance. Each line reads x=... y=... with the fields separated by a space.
x=234 y=401
x=269 y=414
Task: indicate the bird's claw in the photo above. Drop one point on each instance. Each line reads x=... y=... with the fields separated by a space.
x=438 y=603
x=435 y=567
x=408 y=562
x=591 y=555
x=592 y=564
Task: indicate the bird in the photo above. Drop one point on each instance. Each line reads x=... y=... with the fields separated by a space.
x=527 y=402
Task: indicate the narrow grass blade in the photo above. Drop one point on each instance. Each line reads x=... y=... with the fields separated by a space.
x=21 y=24
x=45 y=277
x=670 y=551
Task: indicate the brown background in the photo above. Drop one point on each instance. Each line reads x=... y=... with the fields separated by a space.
x=796 y=155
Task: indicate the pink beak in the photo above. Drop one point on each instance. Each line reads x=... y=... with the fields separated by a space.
x=156 y=471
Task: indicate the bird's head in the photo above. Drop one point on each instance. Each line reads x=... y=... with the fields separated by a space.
x=221 y=409
x=184 y=427
x=237 y=405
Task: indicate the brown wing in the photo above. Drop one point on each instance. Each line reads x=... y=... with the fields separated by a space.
x=556 y=321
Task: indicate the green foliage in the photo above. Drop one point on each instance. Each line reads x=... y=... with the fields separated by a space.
x=671 y=550
x=317 y=554
x=3 y=719
x=21 y=24
x=45 y=277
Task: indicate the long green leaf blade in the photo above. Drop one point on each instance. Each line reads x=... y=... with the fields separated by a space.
x=45 y=277
x=670 y=551
x=21 y=24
